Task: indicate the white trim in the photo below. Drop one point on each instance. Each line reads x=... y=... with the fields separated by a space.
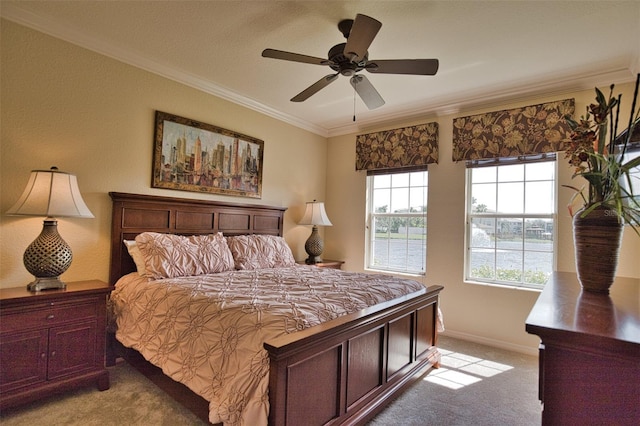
x=370 y=231
x=501 y=344
x=469 y=216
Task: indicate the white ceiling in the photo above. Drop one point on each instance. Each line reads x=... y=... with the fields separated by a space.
x=489 y=51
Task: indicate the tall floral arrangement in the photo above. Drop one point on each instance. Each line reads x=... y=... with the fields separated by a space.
x=597 y=155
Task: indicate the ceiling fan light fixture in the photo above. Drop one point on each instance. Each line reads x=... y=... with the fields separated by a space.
x=348 y=72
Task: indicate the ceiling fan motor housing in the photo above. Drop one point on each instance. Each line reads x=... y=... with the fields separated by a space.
x=340 y=63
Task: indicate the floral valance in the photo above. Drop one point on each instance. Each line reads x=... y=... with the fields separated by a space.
x=533 y=129
x=412 y=146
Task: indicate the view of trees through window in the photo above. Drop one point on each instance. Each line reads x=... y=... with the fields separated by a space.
x=397 y=237
x=511 y=219
x=510 y=224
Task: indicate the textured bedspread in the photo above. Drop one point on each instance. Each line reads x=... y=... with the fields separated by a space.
x=208 y=331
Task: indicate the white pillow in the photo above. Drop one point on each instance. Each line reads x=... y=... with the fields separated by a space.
x=136 y=255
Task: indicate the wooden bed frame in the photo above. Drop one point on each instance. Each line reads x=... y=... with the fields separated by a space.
x=340 y=372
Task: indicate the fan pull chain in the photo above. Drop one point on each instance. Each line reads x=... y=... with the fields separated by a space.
x=354 y=102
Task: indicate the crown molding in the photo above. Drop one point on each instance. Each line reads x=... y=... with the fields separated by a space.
x=488 y=97
x=560 y=85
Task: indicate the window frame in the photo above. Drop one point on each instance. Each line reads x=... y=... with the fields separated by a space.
x=371 y=215
x=632 y=151
x=524 y=216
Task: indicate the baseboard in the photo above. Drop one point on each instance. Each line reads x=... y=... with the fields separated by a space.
x=527 y=350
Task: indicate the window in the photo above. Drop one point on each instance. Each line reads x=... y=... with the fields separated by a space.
x=511 y=222
x=397 y=222
x=632 y=186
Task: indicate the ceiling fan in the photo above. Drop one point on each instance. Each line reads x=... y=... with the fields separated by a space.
x=351 y=57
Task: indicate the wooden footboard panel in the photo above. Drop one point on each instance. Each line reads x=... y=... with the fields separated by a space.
x=346 y=370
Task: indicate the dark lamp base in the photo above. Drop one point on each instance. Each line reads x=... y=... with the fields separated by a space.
x=312 y=260
x=314 y=247
x=46 y=283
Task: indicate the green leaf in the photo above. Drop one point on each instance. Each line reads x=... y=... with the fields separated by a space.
x=600 y=98
x=634 y=162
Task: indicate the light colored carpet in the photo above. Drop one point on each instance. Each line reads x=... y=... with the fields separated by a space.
x=131 y=400
x=477 y=385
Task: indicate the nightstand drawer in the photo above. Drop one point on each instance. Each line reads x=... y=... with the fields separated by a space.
x=48 y=315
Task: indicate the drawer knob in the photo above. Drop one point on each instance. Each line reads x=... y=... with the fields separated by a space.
x=53 y=353
x=43 y=355
x=50 y=316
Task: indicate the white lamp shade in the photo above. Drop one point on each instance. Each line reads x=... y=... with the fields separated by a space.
x=51 y=193
x=315 y=214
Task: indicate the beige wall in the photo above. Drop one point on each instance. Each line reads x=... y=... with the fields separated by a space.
x=488 y=314
x=93 y=116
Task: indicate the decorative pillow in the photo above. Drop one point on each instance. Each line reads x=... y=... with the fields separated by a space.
x=169 y=256
x=260 y=251
x=137 y=257
x=213 y=253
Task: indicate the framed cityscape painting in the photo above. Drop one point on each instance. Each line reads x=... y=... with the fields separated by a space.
x=192 y=156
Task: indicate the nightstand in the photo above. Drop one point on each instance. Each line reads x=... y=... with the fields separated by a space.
x=52 y=340
x=333 y=264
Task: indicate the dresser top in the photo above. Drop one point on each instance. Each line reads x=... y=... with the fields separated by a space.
x=563 y=309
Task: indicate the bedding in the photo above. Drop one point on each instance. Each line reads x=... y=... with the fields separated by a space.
x=207 y=331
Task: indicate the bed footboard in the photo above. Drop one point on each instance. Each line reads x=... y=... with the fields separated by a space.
x=347 y=370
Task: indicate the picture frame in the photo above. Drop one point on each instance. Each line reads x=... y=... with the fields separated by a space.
x=189 y=155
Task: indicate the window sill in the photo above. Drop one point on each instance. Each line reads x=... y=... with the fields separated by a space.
x=400 y=274
x=505 y=286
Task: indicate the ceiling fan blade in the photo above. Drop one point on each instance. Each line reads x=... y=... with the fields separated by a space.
x=362 y=33
x=366 y=91
x=314 y=88
x=295 y=57
x=404 y=66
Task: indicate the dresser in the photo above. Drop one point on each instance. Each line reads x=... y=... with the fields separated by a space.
x=589 y=352
x=52 y=341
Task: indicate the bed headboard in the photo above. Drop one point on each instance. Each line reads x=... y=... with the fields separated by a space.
x=134 y=213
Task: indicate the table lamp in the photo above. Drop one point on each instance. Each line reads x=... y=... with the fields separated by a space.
x=50 y=193
x=314 y=215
